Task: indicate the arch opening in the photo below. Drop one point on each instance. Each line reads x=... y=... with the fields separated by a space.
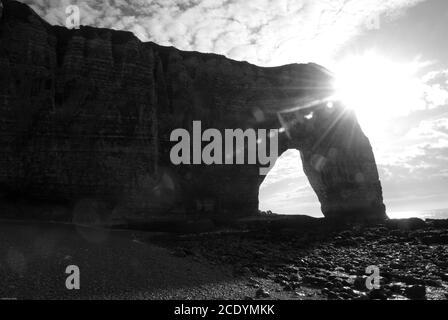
x=286 y=189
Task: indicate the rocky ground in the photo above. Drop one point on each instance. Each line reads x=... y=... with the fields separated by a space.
x=299 y=258
x=113 y=264
x=281 y=262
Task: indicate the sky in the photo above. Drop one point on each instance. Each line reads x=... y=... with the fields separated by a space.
x=393 y=51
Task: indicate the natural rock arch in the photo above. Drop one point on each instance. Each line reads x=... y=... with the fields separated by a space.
x=115 y=145
x=338 y=160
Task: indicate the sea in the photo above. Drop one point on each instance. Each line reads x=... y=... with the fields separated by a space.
x=423 y=214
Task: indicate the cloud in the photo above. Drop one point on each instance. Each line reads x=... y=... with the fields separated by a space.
x=264 y=32
x=436 y=88
x=416 y=171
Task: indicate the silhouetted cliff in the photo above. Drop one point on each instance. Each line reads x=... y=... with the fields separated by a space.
x=86 y=118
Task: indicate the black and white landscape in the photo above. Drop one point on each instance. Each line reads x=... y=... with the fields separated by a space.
x=266 y=149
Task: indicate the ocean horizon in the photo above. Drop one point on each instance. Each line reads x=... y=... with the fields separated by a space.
x=393 y=214
x=422 y=214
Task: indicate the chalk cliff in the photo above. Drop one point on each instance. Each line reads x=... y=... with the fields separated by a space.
x=86 y=118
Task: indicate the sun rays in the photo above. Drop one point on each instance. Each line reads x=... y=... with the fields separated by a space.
x=378 y=89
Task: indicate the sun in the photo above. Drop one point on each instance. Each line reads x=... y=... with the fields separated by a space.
x=378 y=89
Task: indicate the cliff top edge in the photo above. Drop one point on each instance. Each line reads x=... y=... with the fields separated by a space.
x=17 y=10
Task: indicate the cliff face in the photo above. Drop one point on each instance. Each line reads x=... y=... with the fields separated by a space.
x=86 y=115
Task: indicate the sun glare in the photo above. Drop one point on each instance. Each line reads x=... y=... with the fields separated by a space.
x=378 y=90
